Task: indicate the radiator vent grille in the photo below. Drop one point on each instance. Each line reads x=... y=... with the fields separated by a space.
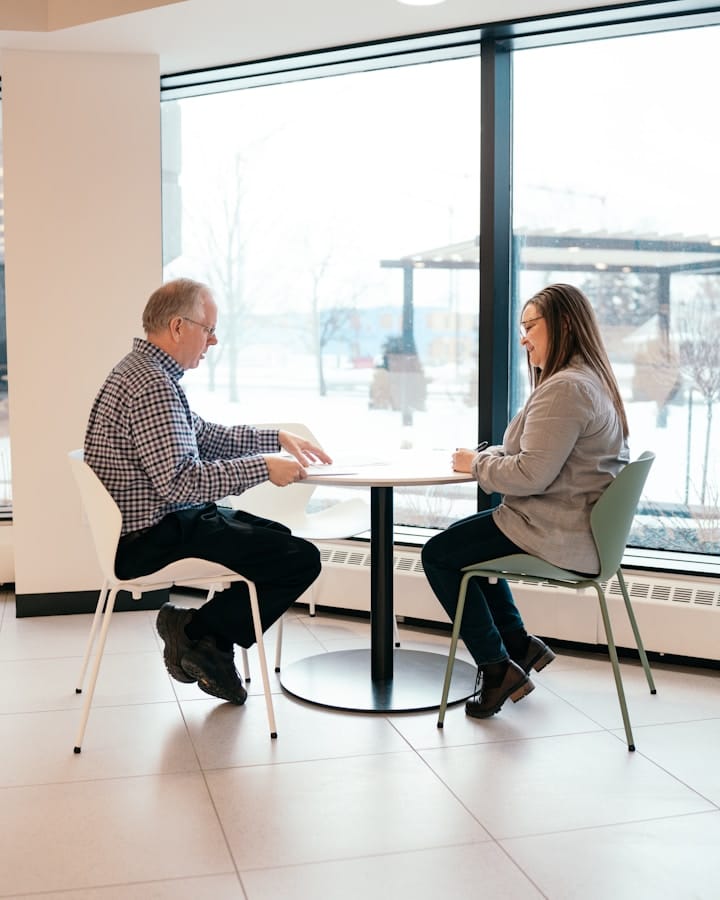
x=661 y=592
x=341 y=556
x=696 y=592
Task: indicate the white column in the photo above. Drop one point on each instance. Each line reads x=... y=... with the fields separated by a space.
x=81 y=141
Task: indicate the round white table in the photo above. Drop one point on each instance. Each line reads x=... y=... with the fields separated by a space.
x=383 y=678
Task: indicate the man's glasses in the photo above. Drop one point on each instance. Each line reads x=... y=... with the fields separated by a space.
x=524 y=325
x=208 y=329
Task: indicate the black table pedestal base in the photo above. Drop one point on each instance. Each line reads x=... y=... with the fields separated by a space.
x=341 y=680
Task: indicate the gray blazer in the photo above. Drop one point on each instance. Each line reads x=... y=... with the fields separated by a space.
x=558 y=454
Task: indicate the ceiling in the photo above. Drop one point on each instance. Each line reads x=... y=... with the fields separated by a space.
x=195 y=34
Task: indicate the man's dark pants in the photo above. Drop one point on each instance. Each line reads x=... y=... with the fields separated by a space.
x=281 y=566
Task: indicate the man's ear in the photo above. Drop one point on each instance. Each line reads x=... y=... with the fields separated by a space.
x=174 y=326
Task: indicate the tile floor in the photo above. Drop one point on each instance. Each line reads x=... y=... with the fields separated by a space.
x=177 y=795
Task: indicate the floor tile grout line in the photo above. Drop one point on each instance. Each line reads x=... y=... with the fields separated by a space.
x=376 y=855
x=204 y=774
x=504 y=850
x=641 y=820
x=619 y=737
x=491 y=837
x=679 y=780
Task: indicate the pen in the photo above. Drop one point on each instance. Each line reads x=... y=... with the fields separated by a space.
x=481 y=446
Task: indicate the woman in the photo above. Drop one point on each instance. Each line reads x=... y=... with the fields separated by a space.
x=558 y=455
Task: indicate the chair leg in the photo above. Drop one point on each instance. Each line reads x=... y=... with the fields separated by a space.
x=278 y=643
x=109 y=606
x=453 y=647
x=396 y=633
x=261 y=656
x=615 y=666
x=311 y=600
x=246 y=664
x=636 y=631
x=102 y=596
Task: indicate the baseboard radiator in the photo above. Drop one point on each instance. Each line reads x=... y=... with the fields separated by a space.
x=678 y=615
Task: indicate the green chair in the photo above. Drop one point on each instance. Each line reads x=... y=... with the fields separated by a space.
x=610 y=521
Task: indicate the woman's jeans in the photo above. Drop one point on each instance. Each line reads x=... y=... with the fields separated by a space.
x=490 y=612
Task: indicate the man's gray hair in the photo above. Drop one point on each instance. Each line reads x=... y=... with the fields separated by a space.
x=180 y=297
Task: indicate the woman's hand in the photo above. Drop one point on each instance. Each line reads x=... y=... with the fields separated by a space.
x=462 y=459
x=304 y=451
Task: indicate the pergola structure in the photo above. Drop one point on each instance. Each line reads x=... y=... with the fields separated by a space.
x=550 y=251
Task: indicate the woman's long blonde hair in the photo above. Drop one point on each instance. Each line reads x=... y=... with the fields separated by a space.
x=573 y=331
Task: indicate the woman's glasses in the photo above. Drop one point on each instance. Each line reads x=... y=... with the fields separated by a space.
x=526 y=326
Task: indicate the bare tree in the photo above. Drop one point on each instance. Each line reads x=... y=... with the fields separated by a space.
x=330 y=321
x=221 y=233
x=317 y=274
x=333 y=324
x=699 y=360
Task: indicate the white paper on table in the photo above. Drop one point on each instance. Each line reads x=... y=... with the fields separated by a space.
x=351 y=467
x=329 y=470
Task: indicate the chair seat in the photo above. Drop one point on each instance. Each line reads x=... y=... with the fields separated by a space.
x=185 y=571
x=191 y=569
x=522 y=564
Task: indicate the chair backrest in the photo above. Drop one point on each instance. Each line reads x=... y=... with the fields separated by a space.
x=281 y=504
x=101 y=510
x=612 y=516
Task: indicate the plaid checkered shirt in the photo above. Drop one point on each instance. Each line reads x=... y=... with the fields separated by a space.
x=154 y=455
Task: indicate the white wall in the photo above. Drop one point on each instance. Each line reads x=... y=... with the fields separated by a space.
x=81 y=140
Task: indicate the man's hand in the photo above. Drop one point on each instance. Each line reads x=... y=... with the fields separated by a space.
x=303 y=450
x=283 y=471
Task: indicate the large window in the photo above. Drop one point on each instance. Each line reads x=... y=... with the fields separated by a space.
x=616 y=189
x=303 y=204
x=338 y=220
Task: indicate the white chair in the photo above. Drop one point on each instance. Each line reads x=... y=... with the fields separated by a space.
x=105 y=521
x=289 y=506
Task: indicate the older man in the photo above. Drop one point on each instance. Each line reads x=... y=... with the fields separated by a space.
x=165 y=467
